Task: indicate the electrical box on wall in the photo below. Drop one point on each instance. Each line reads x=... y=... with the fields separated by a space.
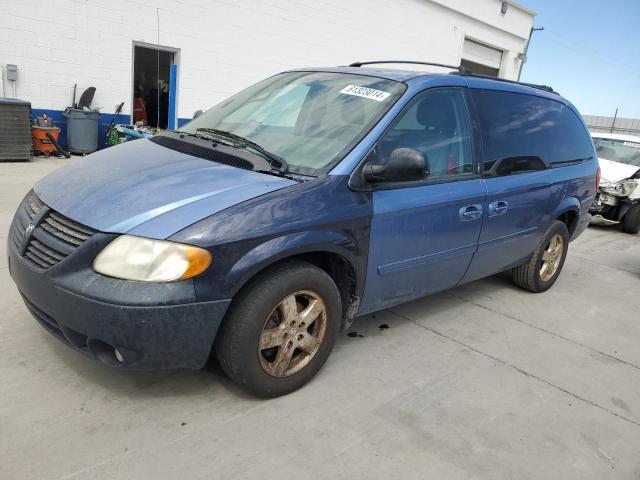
x=12 y=72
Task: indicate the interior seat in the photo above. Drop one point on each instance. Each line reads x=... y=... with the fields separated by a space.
x=437 y=141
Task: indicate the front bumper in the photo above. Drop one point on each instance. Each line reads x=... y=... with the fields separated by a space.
x=598 y=219
x=122 y=323
x=605 y=209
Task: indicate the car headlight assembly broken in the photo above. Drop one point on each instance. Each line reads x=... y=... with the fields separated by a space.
x=624 y=188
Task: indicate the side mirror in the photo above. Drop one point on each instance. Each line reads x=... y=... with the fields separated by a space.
x=404 y=164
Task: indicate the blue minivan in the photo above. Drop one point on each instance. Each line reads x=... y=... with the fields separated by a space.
x=259 y=230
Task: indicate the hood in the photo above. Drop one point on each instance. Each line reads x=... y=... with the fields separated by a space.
x=613 y=172
x=145 y=189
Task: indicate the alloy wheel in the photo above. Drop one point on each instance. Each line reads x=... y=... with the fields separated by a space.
x=292 y=334
x=551 y=257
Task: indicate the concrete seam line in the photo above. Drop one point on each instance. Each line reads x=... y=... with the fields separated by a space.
x=517 y=369
x=624 y=362
x=603 y=264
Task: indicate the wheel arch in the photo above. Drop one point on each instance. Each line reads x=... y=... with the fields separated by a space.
x=568 y=212
x=333 y=252
x=570 y=219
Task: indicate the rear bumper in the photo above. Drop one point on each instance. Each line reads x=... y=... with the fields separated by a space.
x=152 y=326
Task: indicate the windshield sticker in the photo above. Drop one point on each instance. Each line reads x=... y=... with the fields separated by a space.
x=365 y=92
x=631 y=144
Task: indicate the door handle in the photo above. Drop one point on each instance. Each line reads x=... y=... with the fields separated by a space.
x=498 y=208
x=470 y=212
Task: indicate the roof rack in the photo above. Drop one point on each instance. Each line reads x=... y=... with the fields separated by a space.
x=469 y=73
x=459 y=68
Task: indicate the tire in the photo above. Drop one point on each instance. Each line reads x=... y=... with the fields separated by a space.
x=530 y=275
x=257 y=318
x=631 y=220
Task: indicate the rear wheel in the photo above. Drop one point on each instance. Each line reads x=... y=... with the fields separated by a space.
x=631 y=220
x=546 y=262
x=280 y=330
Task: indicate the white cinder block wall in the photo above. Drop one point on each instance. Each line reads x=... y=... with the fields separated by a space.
x=226 y=45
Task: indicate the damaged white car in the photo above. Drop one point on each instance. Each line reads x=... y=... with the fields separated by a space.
x=618 y=198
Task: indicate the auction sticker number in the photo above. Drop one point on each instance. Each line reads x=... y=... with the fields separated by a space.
x=365 y=92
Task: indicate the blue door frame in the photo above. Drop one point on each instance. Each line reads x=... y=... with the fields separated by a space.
x=173 y=77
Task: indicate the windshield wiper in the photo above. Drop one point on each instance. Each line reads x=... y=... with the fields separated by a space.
x=200 y=136
x=241 y=142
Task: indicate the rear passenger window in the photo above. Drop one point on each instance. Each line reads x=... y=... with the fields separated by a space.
x=524 y=133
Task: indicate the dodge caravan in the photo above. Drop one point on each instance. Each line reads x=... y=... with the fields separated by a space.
x=260 y=229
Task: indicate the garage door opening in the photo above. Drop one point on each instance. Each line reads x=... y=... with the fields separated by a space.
x=481 y=58
x=151 y=85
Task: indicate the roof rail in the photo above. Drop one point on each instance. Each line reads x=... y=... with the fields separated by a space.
x=469 y=73
x=459 y=68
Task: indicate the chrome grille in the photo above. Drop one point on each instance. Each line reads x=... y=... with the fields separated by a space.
x=54 y=238
x=26 y=213
x=65 y=229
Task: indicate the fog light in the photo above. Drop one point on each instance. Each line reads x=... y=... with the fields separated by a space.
x=119 y=356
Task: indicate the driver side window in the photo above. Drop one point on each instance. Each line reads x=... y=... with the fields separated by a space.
x=436 y=125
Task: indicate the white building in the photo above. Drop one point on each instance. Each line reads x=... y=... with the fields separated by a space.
x=222 y=46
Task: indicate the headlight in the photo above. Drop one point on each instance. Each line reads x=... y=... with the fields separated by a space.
x=147 y=260
x=624 y=188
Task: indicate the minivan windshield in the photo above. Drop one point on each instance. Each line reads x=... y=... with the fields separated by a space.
x=309 y=119
x=621 y=151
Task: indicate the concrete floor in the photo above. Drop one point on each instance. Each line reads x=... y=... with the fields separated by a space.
x=485 y=381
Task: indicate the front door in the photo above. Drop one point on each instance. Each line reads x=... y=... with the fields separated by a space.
x=424 y=234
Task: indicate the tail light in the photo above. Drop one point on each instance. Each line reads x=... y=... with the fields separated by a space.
x=597 y=179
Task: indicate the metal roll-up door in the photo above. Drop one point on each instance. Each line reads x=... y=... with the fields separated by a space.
x=481 y=58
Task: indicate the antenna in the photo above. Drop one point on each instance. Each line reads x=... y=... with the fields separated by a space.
x=158 y=71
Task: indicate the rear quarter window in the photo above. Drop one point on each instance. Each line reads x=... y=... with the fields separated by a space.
x=523 y=133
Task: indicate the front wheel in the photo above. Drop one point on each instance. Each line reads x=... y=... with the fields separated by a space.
x=280 y=329
x=546 y=262
x=631 y=220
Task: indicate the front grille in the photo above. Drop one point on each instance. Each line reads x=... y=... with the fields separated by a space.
x=26 y=213
x=54 y=236
x=65 y=229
